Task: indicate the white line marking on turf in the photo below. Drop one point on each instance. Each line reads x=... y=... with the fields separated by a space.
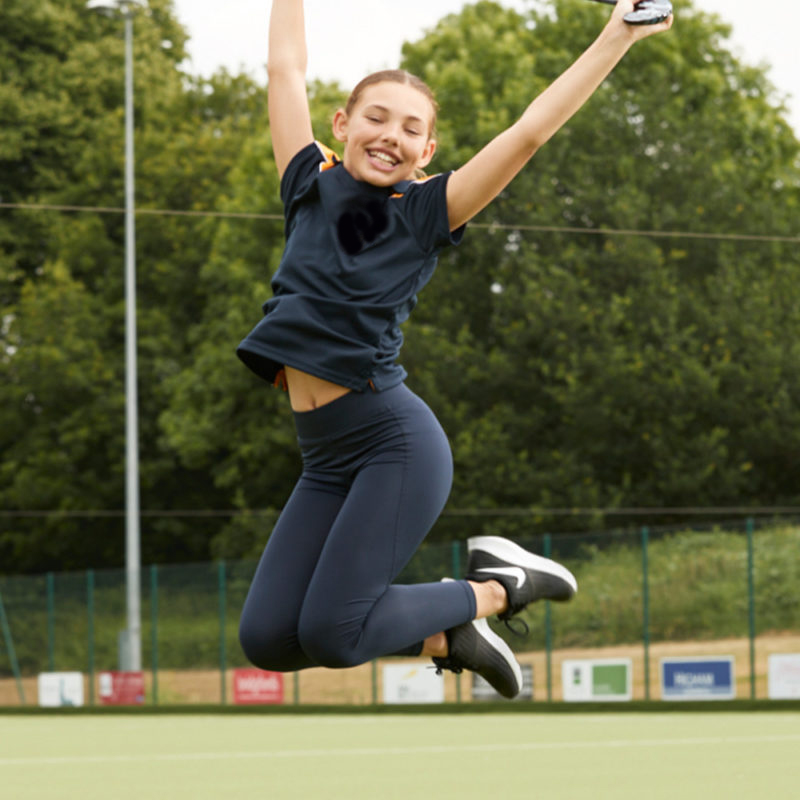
x=396 y=751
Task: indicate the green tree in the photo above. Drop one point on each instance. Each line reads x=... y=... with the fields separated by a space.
x=600 y=370
x=570 y=369
x=63 y=444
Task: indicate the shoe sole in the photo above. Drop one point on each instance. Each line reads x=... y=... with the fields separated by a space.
x=513 y=554
x=496 y=643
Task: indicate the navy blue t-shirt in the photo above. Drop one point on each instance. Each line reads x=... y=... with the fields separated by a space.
x=356 y=255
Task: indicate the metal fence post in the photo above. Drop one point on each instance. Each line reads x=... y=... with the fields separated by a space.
x=90 y=633
x=51 y=622
x=751 y=606
x=548 y=629
x=222 y=614
x=455 y=556
x=646 y=611
x=154 y=630
x=12 y=656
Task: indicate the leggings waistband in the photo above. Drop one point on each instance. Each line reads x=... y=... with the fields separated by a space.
x=345 y=412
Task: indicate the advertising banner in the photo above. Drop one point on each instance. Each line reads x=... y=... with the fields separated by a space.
x=699 y=678
x=257 y=686
x=412 y=683
x=784 y=676
x=58 y=689
x=597 y=680
x=118 y=688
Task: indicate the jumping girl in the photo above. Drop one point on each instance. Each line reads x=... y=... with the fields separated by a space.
x=362 y=238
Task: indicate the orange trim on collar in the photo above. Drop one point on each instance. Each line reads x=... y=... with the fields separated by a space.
x=331 y=159
x=417 y=180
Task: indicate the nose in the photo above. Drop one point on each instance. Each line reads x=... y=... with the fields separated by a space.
x=390 y=134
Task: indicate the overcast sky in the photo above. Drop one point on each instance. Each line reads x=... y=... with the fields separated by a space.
x=351 y=38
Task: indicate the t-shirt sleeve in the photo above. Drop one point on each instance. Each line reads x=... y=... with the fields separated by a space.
x=306 y=163
x=425 y=210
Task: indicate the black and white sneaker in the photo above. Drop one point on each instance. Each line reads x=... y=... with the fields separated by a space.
x=525 y=576
x=646 y=12
x=475 y=646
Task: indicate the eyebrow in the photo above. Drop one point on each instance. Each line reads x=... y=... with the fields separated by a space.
x=409 y=118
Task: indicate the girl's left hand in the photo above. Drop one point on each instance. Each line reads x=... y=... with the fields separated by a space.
x=636 y=32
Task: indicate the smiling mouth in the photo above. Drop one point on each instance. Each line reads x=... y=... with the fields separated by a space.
x=383 y=158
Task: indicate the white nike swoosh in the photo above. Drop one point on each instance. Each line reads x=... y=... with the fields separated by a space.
x=514 y=572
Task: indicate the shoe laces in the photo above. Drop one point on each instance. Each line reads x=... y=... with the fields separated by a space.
x=442 y=663
x=521 y=628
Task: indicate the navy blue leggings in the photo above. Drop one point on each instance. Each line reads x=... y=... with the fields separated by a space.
x=377 y=470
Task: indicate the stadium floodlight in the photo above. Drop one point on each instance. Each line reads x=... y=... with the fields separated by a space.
x=111 y=7
x=131 y=639
x=114 y=5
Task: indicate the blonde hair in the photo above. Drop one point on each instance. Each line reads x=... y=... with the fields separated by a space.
x=395 y=76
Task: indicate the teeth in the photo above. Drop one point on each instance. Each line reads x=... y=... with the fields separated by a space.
x=383 y=157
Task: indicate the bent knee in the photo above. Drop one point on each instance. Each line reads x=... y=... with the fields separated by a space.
x=325 y=647
x=267 y=649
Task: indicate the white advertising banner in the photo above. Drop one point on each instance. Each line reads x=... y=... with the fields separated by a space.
x=784 y=676
x=412 y=683
x=58 y=689
x=597 y=680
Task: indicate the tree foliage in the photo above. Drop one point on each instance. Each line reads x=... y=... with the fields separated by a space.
x=61 y=274
x=573 y=365
x=608 y=370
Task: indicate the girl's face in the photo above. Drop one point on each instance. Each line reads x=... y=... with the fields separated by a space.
x=387 y=136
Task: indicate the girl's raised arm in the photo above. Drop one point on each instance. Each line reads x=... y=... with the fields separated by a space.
x=473 y=186
x=289 y=116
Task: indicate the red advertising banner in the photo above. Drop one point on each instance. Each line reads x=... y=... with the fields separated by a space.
x=121 y=688
x=252 y=686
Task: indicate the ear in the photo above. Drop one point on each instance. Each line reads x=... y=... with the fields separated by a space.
x=340 y=125
x=427 y=154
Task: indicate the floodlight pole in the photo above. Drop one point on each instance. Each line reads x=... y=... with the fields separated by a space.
x=131 y=651
x=132 y=507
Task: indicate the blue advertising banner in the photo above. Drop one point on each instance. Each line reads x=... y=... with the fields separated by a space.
x=700 y=678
